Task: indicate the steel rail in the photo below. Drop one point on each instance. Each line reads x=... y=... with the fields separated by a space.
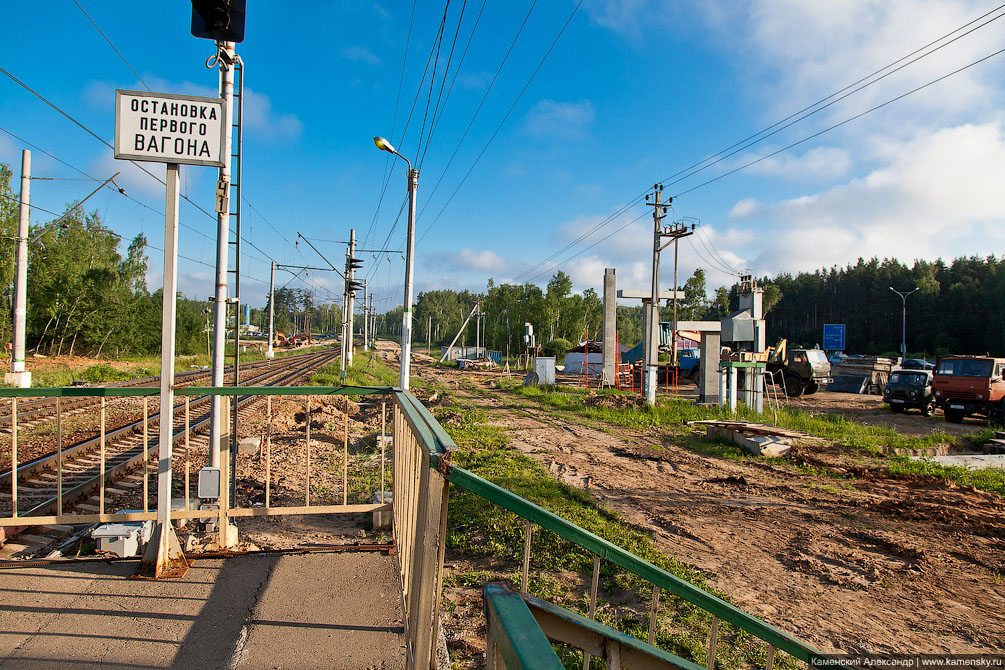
x=131 y=458
x=41 y=407
x=42 y=463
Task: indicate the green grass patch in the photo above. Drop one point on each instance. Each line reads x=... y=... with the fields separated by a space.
x=670 y=415
x=560 y=571
x=986 y=479
x=367 y=369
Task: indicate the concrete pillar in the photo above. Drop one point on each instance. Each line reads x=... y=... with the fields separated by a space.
x=610 y=326
x=732 y=389
x=722 y=386
x=708 y=373
x=759 y=390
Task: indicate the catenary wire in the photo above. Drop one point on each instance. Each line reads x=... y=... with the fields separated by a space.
x=504 y=119
x=117 y=52
x=478 y=109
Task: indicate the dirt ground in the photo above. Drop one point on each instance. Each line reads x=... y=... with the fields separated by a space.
x=865 y=563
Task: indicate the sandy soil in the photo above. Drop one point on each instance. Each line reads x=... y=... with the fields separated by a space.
x=869 y=562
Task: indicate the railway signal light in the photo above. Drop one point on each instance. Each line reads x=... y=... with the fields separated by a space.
x=220 y=20
x=352 y=286
x=353 y=263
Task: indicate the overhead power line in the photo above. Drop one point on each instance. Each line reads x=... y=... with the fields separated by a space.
x=842 y=123
x=821 y=105
x=117 y=52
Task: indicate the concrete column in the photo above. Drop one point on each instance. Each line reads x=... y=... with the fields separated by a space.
x=610 y=326
x=722 y=386
x=708 y=374
x=759 y=390
x=732 y=389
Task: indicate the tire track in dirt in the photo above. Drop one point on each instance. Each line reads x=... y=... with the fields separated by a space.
x=875 y=563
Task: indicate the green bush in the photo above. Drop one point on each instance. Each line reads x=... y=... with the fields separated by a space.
x=557 y=348
x=101 y=373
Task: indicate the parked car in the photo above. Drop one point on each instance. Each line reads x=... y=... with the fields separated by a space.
x=916 y=364
x=907 y=389
x=836 y=358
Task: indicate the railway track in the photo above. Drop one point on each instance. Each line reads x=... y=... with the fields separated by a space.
x=32 y=412
x=80 y=483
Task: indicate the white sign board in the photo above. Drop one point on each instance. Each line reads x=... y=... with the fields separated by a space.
x=169 y=128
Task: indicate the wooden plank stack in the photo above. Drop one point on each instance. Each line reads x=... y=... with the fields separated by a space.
x=875 y=369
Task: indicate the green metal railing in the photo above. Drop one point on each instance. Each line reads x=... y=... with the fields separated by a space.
x=602 y=549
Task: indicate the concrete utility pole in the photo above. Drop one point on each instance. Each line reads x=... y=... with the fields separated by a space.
x=652 y=330
x=269 y=353
x=351 y=295
x=372 y=320
x=18 y=375
x=217 y=419
x=903 y=321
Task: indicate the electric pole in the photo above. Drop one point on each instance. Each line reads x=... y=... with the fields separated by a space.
x=366 y=329
x=651 y=334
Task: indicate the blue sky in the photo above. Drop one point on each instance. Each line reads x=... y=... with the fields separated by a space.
x=633 y=92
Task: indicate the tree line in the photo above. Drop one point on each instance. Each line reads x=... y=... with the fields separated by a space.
x=959 y=307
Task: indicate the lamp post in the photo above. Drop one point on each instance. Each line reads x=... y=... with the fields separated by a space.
x=903 y=322
x=406 y=322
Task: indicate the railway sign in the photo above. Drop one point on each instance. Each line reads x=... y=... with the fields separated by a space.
x=169 y=128
x=834 y=336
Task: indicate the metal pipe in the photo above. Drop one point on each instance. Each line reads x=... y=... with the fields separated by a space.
x=101 y=482
x=222 y=249
x=59 y=456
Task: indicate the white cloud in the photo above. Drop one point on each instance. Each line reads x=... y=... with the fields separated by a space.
x=260 y=117
x=803 y=51
x=937 y=195
x=486 y=259
x=819 y=163
x=360 y=54
x=559 y=119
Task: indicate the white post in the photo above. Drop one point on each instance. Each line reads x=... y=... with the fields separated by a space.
x=269 y=353
x=18 y=375
x=222 y=241
x=722 y=387
x=732 y=389
x=406 y=325
x=164 y=553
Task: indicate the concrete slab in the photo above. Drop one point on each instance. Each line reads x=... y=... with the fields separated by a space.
x=316 y=610
x=971 y=461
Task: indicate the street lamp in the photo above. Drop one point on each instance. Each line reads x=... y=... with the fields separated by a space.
x=406 y=327
x=903 y=322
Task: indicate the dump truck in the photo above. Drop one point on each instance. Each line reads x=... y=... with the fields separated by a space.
x=798 y=370
x=966 y=385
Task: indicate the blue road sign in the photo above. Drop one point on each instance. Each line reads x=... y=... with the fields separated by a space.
x=834 y=336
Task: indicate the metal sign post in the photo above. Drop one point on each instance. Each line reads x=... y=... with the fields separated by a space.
x=177 y=130
x=163 y=556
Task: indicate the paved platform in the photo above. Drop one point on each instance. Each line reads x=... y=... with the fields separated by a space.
x=331 y=610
